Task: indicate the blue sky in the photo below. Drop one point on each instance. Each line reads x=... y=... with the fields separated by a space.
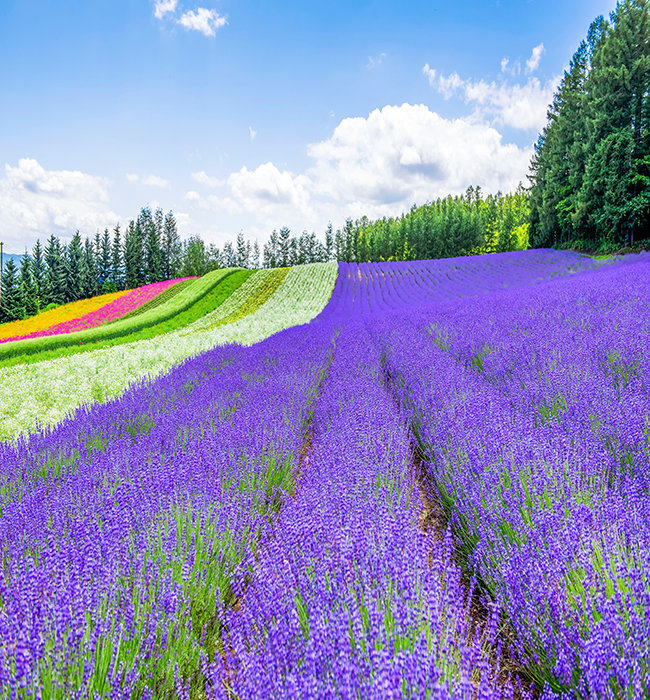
x=254 y=114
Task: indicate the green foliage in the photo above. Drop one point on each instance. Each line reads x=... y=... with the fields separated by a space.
x=591 y=170
x=190 y=304
x=450 y=227
x=12 y=306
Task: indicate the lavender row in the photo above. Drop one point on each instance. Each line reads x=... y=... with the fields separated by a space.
x=534 y=410
x=347 y=598
x=118 y=565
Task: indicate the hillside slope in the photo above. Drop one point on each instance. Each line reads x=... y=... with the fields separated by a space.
x=43 y=393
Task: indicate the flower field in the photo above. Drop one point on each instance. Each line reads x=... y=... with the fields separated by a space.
x=403 y=480
x=43 y=393
x=120 y=306
x=58 y=315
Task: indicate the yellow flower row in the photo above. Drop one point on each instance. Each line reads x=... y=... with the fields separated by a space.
x=61 y=314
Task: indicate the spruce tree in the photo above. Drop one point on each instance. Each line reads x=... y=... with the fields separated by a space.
x=39 y=272
x=117 y=260
x=329 y=242
x=242 y=251
x=54 y=287
x=87 y=269
x=172 y=248
x=12 y=307
x=28 y=288
x=73 y=263
x=104 y=259
x=133 y=261
x=255 y=258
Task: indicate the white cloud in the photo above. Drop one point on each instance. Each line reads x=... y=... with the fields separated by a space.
x=207 y=180
x=519 y=106
x=203 y=20
x=533 y=62
x=430 y=73
x=163 y=7
x=155 y=181
x=253 y=133
x=379 y=165
x=402 y=155
x=35 y=203
x=374 y=62
x=132 y=177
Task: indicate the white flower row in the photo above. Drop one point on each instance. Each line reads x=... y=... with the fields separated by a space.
x=45 y=392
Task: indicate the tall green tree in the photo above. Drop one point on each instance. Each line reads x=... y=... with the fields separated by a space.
x=87 y=271
x=104 y=259
x=117 y=261
x=55 y=275
x=12 y=307
x=73 y=265
x=615 y=192
x=172 y=248
x=28 y=289
x=133 y=256
x=39 y=272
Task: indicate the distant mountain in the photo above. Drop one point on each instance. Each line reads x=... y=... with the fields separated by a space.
x=16 y=258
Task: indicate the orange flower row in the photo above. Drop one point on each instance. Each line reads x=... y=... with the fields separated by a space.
x=61 y=314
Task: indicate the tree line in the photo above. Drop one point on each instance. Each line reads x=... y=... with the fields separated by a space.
x=590 y=174
x=149 y=250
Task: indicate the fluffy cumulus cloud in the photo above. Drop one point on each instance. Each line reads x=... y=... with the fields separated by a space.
x=379 y=165
x=35 y=203
x=203 y=20
x=502 y=103
x=402 y=155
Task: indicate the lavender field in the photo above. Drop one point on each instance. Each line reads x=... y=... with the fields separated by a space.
x=437 y=488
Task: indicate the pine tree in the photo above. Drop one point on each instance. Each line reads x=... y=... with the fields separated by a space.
x=133 y=258
x=117 y=261
x=151 y=237
x=87 y=268
x=12 y=307
x=172 y=249
x=28 y=289
x=285 y=247
x=228 y=255
x=73 y=263
x=329 y=242
x=39 y=273
x=242 y=251
x=55 y=287
x=104 y=260
x=255 y=258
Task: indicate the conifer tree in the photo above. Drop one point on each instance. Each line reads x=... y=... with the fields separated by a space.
x=104 y=259
x=329 y=242
x=172 y=248
x=54 y=291
x=39 y=272
x=73 y=262
x=255 y=258
x=242 y=251
x=27 y=286
x=133 y=263
x=12 y=307
x=87 y=279
x=117 y=261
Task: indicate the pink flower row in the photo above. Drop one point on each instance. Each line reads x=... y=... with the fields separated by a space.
x=110 y=312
